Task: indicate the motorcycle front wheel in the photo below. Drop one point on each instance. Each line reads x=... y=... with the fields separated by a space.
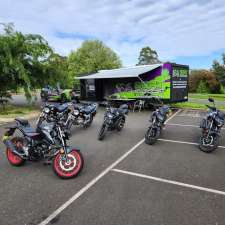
x=70 y=167
x=102 y=132
x=120 y=124
x=89 y=122
x=151 y=136
x=209 y=144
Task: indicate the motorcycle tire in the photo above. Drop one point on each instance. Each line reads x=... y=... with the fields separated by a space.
x=121 y=124
x=151 y=136
x=69 y=170
x=89 y=123
x=14 y=159
x=208 y=148
x=102 y=132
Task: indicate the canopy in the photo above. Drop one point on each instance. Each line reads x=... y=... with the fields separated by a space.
x=121 y=73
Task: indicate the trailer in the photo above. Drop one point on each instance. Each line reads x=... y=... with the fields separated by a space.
x=166 y=81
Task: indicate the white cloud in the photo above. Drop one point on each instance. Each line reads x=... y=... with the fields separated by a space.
x=173 y=27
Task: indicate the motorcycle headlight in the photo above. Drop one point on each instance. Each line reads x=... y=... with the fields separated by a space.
x=76 y=112
x=110 y=116
x=46 y=110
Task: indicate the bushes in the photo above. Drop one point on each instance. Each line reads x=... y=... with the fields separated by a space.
x=204 y=81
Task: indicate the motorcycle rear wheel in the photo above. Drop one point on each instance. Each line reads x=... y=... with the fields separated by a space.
x=208 y=148
x=14 y=159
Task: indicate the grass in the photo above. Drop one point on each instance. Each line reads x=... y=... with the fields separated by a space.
x=218 y=97
x=191 y=105
x=13 y=111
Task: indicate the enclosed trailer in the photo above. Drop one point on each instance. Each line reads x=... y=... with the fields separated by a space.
x=167 y=81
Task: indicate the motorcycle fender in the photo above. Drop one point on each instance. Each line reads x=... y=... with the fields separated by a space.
x=8 y=143
x=69 y=149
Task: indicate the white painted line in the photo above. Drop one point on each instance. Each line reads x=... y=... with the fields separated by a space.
x=184 y=142
x=89 y=185
x=181 y=125
x=94 y=181
x=178 y=111
x=185 y=125
x=170 y=182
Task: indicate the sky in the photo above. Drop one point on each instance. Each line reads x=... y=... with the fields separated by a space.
x=188 y=32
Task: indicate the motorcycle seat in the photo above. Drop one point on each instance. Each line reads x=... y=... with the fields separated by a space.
x=23 y=122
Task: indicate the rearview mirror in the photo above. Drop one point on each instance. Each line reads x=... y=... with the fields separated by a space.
x=211 y=100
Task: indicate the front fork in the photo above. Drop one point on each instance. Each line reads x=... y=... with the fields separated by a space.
x=63 y=150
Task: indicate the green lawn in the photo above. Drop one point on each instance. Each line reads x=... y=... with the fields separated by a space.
x=218 y=97
x=191 y=105
x=13 y=111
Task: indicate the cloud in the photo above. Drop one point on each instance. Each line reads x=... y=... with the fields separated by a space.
x=175 y=28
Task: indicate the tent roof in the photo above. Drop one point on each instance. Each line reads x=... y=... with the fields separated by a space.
x=121 y=73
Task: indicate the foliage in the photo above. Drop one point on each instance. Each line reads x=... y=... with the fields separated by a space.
x=91 y=57
x=203 y=78
x=28 y=62
x=148 y=56
x=202 y=87
x=219 y=70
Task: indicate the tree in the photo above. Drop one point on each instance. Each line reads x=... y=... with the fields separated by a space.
x=148 y=56
x=202 y=80
x=91 y=57
x=219 y=70
x=27 y=61
x=22 y=57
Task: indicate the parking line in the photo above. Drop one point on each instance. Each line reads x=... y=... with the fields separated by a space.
x=185 y=125
x=184 y=142
x=89 y=185
x=170 y=182
x=181 y=125
x=95 y=180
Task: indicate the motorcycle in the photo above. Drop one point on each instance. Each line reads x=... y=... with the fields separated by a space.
x=81 y=115
x=157 y=120
x=211 y=127
x=114 y=118
x=47 y=141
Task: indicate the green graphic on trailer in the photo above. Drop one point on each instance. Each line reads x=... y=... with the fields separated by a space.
x=157 y=87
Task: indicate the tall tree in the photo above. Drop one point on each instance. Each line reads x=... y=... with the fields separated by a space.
x=219 y=69
x=92 y=56
x=21 y=59
x=27 y=61
x=148 y=56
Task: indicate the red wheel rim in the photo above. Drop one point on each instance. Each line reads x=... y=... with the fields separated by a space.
x=13 y=158
x=70 y=169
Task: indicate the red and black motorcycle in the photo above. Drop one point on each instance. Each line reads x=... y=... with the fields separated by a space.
x=47 y=141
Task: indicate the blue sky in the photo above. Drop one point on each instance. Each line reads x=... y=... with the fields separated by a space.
x=184 y=31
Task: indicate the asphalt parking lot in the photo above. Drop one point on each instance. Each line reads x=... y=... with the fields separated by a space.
x=124 y=181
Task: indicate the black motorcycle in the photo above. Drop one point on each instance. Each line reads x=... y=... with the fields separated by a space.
x=81 y=115
x=211 y=127
x=114 y=118
x=48 y=141
x=157 y=120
